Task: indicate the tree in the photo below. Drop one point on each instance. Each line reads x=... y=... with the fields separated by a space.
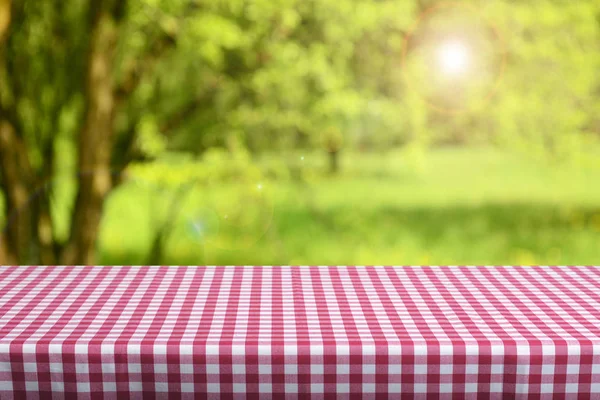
x=548 y=98
x=66 y=80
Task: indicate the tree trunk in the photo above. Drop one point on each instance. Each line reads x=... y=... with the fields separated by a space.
x=334 y=161
x=29 y=234
x=157 y=248
x=5 y=256
x=95 y=142
x=4 y=17
x=44 y=228
x=17 y=237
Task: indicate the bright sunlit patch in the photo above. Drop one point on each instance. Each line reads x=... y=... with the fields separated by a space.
x=454 y=57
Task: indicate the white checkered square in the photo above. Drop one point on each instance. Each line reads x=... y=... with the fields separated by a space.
x=187 y=387
x=212 y=369
x=161 y=387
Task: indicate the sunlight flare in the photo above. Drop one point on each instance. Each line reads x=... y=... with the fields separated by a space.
x=454 y=57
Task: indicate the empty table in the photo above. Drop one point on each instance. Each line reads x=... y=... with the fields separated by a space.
x=269 y=332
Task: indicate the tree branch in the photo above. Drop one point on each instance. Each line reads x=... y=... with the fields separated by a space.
x=5 y=15
x=184 y=113
x=95 y=140
x=141 y=68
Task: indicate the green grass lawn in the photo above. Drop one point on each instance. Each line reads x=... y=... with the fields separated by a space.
x=454 y=206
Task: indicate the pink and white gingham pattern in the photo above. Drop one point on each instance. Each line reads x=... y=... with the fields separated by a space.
x=271 y=332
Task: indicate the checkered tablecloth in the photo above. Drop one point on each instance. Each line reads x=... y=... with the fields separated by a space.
x=333 y=332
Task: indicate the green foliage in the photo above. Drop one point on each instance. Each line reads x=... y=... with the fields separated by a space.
x=151 y=142
x=548 y=95
x=280 y=73
x=215 y=166
x=43 y=70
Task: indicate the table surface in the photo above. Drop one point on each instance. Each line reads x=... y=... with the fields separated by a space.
x=111 y=331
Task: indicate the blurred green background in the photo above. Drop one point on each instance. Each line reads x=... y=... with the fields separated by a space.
x=299 y=132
